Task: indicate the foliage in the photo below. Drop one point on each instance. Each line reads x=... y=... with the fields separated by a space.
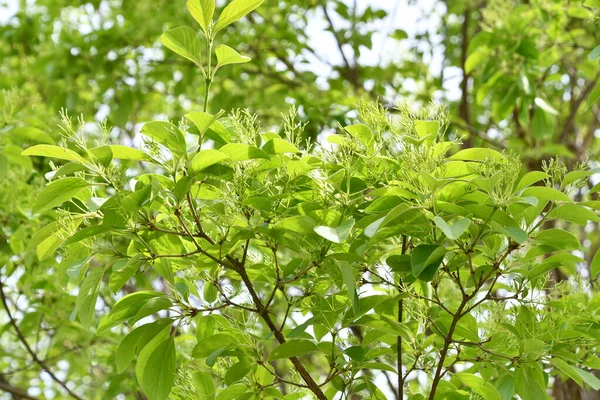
x=221 y=256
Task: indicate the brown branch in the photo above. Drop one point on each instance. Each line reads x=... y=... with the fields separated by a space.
x=264 y=313
x=33 y=355
x=17 y=393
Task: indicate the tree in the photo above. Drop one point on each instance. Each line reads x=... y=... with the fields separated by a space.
x=220 y=257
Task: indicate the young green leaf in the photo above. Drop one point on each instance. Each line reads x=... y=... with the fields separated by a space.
x=202 y=11
x=128 y=153
x=57 y=193
x=477 y=154
x=241 y=152
x=166 y=134
x=183 y=41
x=205 y=122
x=206 y=158
x=455 y=230
x=226 y=55
x=236 y=10
x=47 y=150
x=530 y=178
x=279 y=146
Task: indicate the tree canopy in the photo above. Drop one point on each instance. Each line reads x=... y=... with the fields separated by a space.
x=235 y=215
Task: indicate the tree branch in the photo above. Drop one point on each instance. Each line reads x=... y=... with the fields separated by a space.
x=33 y=355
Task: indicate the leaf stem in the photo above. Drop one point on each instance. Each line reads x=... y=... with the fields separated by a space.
x=207 y=82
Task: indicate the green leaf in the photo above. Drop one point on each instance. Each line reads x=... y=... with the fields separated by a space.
x=302 y=224
x=427 y=129
x=31 y=134
x=128 y=153
x=485 y=389
x=208 y=345
x=477 y=154
x=157 y=365
x=205 y=122
x=529 y=382
x=135 y=341
x=588 y=378
x=241 y=152
x=357 y=353
x=183 y=41
x=202 y=11
x=530 y=178
x=362 y=132
x=234 y=11
x=120 y=276
x=541 y=103
x=546 y=193
x=454 y=231
x=133 y=201
x=127 y=307
x=337 y=234
x=293 y=348
x=399 y=34
x=517 y=234
x=206 y=158
x=558 y=238
x=237 y=371
x=166 y=134
x=386 y=325
x=594 y=96
x=348 y=274
x=86 y=298
x=567 y=370
x=152 y=306
x=279 y=146
x=205 y=387
x=46 y=150
x=57 y=193
x=426 y=259
x=380 y=366
x=574 y=213
x=87 y=232
x=595 y=267
x=103 y=154
x=226 y=55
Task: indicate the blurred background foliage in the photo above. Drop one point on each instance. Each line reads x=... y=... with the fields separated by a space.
x=516 y=75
